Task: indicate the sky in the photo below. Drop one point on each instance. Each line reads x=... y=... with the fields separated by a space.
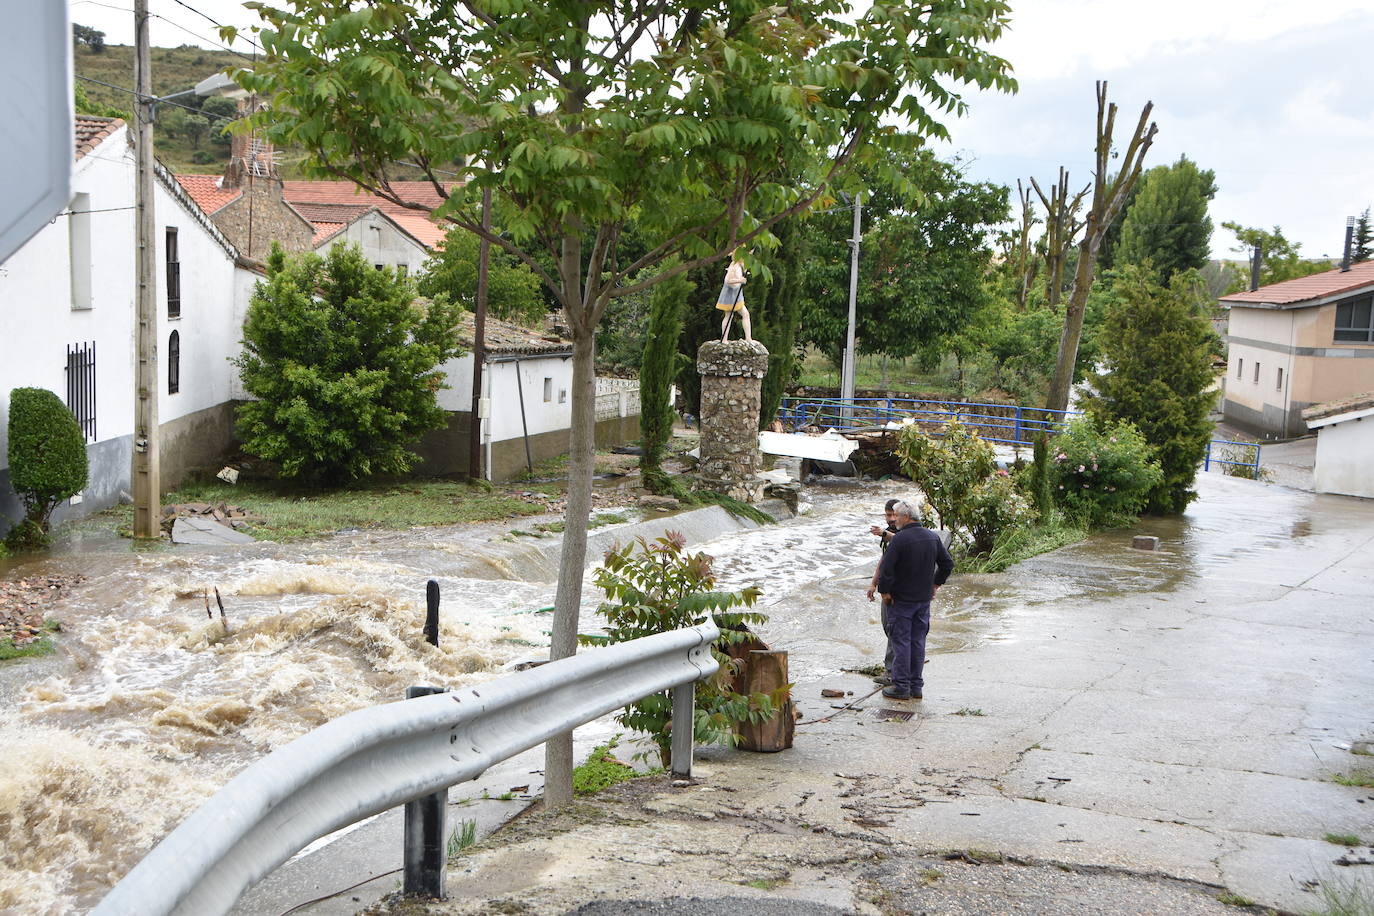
x=1271 y=95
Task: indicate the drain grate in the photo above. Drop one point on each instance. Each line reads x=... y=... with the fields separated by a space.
x=893 y=715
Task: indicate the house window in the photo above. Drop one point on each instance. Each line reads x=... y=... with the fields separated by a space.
x=380 y=266
x=81 y=387
x=1240 y=368
x=1355 y=319
x=173 y=275
x=174 y=363
x=79 y=250
x=1257 y=368
x=1278 y=386
x=548 y=390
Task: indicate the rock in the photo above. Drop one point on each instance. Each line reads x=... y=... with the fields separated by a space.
x=681 y=783
x=658 y=502
x=1145 y=542
x=1363 y=748
x=830 y=692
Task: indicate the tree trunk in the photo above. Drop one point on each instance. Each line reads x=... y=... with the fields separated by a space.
x=766 y=671
x=1073 y=328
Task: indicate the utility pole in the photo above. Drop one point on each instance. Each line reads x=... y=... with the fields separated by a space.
x=146 y=472
x=847 y=371
x=479 y=326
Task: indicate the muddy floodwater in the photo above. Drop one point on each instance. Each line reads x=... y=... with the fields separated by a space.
x=148 y=708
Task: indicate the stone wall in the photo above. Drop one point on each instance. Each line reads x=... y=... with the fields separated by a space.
x=731 y=375
x=262 y=216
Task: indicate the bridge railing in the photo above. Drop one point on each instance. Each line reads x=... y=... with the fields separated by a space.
x=1010 y=424
x=371 y=760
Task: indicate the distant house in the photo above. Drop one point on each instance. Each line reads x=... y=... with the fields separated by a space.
x=74 y=285
x=1298 y=343
x=1345 y=442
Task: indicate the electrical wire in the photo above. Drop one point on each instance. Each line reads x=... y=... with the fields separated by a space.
x=211 y=20
x=157 y=99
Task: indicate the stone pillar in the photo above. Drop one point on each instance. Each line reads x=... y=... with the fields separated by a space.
x=731 y=376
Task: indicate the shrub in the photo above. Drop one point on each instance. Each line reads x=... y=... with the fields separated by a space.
x=1103 y=472
x=992 y=508
x=47 y=457
x=654 y=587
x=343 y=362
x=202 y=157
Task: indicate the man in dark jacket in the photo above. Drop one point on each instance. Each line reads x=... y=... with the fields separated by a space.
x=913 y=567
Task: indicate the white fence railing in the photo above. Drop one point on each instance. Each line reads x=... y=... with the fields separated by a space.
x=616 y=397
x=374 y=759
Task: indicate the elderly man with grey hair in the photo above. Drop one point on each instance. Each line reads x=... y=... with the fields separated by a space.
x=913 y=567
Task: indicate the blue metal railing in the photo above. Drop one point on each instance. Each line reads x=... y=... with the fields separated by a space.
x=1006 y=423
x=1229 y=460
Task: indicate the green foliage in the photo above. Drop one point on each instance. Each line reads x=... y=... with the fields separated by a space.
x=47 y=459
x=91 y=38
x=1013 y=545
x=1104 y=472
x=602 y=770
x=1362 y=240
x=776 y=322
x=343 y=363
x=922 y=262
x=84 y=105
x=1166 y=224
x=1037 y=477
x=656 y=586
x=512 y=288
x=958 y=474
x=1282 y=260
x=1159 y=375
x=463 y=836
x=659 y=368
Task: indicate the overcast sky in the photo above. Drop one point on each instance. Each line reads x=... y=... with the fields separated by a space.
x=1272 y=95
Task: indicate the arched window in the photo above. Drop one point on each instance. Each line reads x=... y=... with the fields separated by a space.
x=174 y=363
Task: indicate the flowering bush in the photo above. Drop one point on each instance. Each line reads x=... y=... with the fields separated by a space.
x=1102 y=472
x=993 y=507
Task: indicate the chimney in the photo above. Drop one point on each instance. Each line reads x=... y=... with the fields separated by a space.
x=249 y=155
x=1349 y=239
x=1255 y=261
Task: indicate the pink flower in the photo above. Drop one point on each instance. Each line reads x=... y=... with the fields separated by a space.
x=1094 y=467
x=1060 y=457
x=1080 y=469
x=1002 y=472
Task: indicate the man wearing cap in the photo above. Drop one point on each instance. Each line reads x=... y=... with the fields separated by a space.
x=913 y=567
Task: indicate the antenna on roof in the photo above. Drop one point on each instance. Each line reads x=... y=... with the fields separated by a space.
x=1349 y=238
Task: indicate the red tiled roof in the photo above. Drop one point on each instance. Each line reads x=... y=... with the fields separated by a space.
x=1324 y=285
x=1344 y=405
x=416 y=222
x=206 y=192
x=324 y=231
x=92 y=131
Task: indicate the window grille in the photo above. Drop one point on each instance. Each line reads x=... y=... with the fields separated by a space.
x=173 y=275
x=81 y=387
x=174 y=363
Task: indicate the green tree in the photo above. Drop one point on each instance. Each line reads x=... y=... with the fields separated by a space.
x=84 y=105
x=1362 y=244
x=658 y=370
x=194 y=128
x=922 y=261
x=47 y=460
x=91 y=38
x=512 y=288
x=777 y=321
x=1167 y=223
x=343 y=363
x=1159 y=375
x=704 y=124
x=1281 y=259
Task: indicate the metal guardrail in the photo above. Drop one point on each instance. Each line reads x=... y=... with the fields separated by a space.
x=1209 y=459
x=1008 y=423
x=371 y=760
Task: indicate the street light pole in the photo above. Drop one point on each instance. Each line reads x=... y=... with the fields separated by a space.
x=479 y=348
x=146 y=470
x=847 y=370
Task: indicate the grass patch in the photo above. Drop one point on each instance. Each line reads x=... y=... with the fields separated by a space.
x=596 y=521
x=877 y=372
x=1362 y=779
x=1346 y=898
x=1231 y=899
x=1022 y=543
x=968 y=711
x=286 y=515
x=601 y=771
x=463 y=836
x=765 y=884
x=1343 y=839
x=43 y=645
x=733 y=506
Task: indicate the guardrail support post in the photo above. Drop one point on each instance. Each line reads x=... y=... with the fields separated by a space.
x=426 y=858
x=684 y=744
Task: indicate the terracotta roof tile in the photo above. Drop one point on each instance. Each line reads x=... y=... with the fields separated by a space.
x=206 y=192
x=345 y=193
x=1344 y=405
x=92 y=131
x=1306 y=289
x=505 y=338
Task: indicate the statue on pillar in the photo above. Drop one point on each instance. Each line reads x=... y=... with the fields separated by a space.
x=731 y=299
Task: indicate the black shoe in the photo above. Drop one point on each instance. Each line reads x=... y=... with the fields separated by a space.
x=892 y=693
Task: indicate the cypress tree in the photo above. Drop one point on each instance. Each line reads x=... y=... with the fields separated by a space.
x=778 y=328
x=1167 y=223
x=658 y=369
x=1159 y=370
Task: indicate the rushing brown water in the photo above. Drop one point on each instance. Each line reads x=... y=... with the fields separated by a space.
x=149 y=706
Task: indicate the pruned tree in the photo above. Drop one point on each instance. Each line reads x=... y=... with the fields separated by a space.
x=1021 y=254
x=1061 y=228
x=705 y=124
x=1109 y=192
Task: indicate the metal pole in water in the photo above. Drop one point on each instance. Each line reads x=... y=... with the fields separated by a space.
x=425 y=855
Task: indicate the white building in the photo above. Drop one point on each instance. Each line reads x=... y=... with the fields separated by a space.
x=1345 y=444
x=68 y=297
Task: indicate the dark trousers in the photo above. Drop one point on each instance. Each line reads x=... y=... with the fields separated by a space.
x=887 y=635
x=909 y=624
